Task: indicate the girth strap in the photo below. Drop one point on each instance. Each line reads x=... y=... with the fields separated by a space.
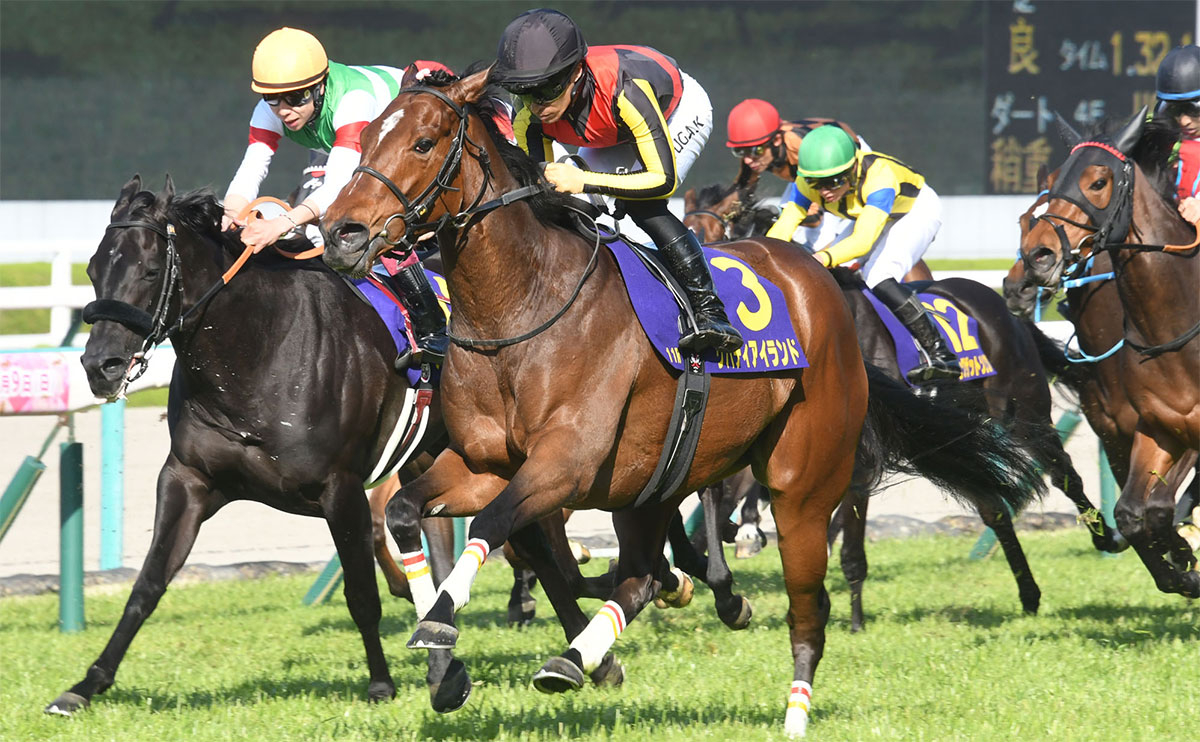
x=683 y=434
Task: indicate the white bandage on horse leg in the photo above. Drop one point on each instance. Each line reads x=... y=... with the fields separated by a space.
x=458 y=584
x=596 y=639
x=795 y=724
x=420 y=581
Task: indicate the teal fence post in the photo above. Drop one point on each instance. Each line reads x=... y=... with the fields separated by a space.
x=112 y=483
x=1108 y=496
x=17 y=491
x=70 y=570
x=326 y=582
x=460 y=537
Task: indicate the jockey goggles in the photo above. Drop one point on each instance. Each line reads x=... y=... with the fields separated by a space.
x=754 y=152
x=1177 y=108
x=294 y=98
x=828 y=183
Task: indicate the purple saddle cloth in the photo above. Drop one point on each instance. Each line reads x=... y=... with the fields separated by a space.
x=394 y=318
x=755 y=306
x=959 y=328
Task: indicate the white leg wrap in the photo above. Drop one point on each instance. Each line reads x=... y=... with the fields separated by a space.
x=596 y=639
x=420 y=581
x=795 y=724
x=458 y=584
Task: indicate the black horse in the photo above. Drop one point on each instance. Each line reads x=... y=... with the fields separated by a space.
x=1018 y=395
x=268 y=402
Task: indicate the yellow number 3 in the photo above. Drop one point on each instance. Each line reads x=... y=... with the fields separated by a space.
x=759 y=318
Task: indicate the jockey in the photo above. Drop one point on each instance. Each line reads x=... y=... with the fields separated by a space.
x=324 y=106
x=763 y=142
x=1178 y=87
x=640 y=123
x=894 y=216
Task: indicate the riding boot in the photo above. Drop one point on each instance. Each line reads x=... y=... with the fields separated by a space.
x=428 y=319
x=937 y=360
x=685 y=259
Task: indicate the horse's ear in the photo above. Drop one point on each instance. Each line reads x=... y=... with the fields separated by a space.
x=127 y=191
x=689 y=200
x=1066 y=131
x=1131 y=133
x=469 y=89
x=168 y=192
x=1043 y=174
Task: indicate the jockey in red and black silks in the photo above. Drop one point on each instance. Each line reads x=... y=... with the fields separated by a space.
x=640 y=123
x=1177 y=87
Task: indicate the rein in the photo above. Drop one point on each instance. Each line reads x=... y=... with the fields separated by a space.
x=706 y=212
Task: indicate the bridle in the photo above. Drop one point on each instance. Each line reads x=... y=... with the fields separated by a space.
x=725 y=226
x=417 y=208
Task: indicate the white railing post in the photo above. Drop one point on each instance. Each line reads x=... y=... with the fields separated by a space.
x=60 y=282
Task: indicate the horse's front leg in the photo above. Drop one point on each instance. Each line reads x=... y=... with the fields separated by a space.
x=349 y=517
x=641 y=534
x=1145 y=513
x=184 y=502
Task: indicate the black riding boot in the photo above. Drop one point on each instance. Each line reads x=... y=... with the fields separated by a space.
x=937 y=360
x=685 y=259
x=428 y=319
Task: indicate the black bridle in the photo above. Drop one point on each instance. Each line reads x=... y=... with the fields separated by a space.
x=706 y=212
x=442 y=183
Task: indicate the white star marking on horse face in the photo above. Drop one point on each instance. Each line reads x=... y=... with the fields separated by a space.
x=389 y=123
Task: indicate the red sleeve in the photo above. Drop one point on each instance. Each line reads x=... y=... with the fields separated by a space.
x=348 y=136
x=267 y=137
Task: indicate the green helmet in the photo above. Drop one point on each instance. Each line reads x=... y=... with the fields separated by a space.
x=826 y=150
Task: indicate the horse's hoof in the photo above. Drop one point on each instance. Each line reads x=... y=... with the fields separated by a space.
x=750 y=541
x=451 y=686
x=521 y=615
x=610 y=673
x=433 y=635
x=558 y=675
x=582 y=554
x=381 y=691
x=681 y=596
x=741 y=619
x=67 y=704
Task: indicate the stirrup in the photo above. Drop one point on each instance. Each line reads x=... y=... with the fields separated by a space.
x=930 y=371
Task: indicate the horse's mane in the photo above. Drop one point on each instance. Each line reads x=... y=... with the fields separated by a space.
x=550 y=206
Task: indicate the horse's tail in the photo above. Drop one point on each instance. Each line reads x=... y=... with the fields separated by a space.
x=969 y=456
x=1053 y=356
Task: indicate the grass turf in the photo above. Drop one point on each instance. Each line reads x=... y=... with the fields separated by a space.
x=947 y=655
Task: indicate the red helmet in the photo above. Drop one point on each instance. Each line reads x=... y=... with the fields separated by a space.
x=752 y=122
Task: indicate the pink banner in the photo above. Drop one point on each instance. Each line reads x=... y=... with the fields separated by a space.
x=33 y=383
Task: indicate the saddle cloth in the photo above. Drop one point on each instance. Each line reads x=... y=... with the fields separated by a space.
x=959 y=328
x=755 y=306
x=394 y=317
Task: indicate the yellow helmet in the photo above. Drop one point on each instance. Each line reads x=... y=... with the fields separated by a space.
x=288 y=59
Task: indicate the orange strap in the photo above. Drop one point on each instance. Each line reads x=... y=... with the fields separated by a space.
x=249 y=213
x=1185 y=248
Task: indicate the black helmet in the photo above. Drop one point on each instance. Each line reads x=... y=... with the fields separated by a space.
x=1178 y=75
x=537 y=47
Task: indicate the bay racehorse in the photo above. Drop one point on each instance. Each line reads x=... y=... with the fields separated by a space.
x=268 y=402
x=1113 y=195
x=554 y=397
x=1018 y=395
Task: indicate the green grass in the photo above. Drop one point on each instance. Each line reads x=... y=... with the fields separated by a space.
x=947 y=655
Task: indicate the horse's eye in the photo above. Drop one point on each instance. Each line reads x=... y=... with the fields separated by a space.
x=423 y=145
x=1099 y=184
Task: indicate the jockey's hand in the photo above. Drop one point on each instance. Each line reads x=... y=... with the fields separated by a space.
x=233 y=206
x=823 y=258
x=261 y=233
x=565 y=178
x=1189 y=209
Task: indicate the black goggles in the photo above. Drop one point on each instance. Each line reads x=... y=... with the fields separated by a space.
x=1176 y=108
x=545 y=92
x=754 y=152
x=828 y=183
x=294 y=98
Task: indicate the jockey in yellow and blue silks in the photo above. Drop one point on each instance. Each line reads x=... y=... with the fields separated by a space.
x=640 y=123
x=894 y=216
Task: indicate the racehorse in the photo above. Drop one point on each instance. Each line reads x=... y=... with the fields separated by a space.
x=1018 y=395
x=1113 y=195
x=554 y=397
x=267 y=402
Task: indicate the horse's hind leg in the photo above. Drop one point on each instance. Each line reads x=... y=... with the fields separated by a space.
x=853 y=515
x=397 y=582
x=750 y=537
x=184 y=502
x=733 y=610
x=349 y=519
x=1027 y=589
